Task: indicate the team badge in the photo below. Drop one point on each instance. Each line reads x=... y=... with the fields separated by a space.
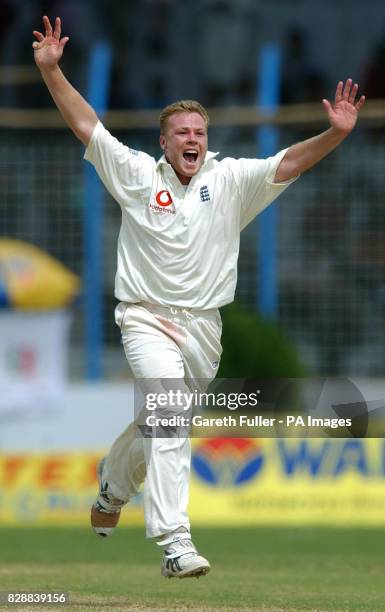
x=204 y=193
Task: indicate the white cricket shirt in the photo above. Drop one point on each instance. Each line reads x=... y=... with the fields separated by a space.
x=180 y=247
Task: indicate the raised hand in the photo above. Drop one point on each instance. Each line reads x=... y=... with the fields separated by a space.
x=49 y=48
x=343 y=114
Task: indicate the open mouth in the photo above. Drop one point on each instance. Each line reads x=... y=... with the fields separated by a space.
x=190 y=156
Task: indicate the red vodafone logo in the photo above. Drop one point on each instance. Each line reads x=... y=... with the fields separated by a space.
x=163 y=198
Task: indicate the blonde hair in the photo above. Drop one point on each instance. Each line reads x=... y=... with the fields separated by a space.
x=182 y=106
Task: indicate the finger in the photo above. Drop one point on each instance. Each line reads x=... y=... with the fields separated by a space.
x=38 y=35
x=327 y=106
x=338 y=96
x=347 y=88
x=47 y=25
x=360 y=103
x=57 y=32
x=63 y=42
x=36 y=45
x=353 y=93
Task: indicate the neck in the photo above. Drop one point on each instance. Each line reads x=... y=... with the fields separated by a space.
x=183 y=179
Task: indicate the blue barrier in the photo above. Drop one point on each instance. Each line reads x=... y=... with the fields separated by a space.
x=97 y=96
x=267 y=143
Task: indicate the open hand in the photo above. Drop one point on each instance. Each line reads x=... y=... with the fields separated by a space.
x=343 y=115
x=49 y=48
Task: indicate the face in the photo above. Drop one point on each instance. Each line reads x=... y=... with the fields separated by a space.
x=185 y=144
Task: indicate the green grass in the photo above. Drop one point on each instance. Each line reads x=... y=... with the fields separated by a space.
x=267 y=569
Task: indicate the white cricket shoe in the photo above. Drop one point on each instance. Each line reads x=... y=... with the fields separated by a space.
x=181 y=559
x=105 y=512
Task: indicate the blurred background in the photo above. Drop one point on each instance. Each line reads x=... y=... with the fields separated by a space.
x=312 y=266
x=328 y=277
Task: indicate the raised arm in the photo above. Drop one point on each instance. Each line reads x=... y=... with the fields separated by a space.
x=342 y=118
x=48 y=50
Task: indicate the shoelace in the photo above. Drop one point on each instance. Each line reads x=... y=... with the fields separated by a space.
x=183 y=547
x=109 y=497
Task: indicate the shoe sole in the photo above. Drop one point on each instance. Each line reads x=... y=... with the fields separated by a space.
x=103 y=520
x=192 y=573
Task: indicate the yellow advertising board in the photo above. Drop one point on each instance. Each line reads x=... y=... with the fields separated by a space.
x=288 y=482
x=234 y=481
x=50 y=489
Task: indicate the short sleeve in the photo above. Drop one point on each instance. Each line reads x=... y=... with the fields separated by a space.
x=255 y=182
x=120 y=168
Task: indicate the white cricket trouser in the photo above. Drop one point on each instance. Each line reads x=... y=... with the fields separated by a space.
x=162 y=342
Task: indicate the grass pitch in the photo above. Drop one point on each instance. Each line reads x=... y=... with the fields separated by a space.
x=267 y=569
